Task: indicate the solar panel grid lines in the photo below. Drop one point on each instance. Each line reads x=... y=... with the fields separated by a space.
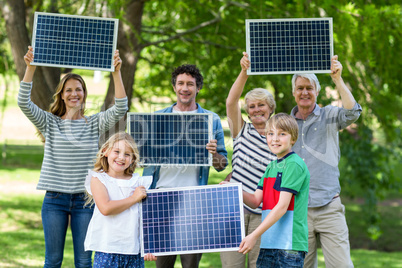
x=74 y=41
x=287 y=46
x=192 y=220
x=171 y=139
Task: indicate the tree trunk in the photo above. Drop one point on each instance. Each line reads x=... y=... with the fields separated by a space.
x=130 y=49
x=46 y=78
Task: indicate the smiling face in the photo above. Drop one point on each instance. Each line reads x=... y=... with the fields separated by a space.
x=186 y=90
x=73 y=94
x=305 y=93
x=258 y=112
x=119 y=158
x=279 y=142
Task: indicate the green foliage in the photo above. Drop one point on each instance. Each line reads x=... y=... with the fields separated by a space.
x=6 y=63
x=371 y=168
x=211 y=34
x=366 y=37
x=368 y=42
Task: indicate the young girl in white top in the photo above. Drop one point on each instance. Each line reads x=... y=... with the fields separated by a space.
x=113 y=232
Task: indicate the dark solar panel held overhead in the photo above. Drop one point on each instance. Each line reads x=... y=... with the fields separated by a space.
x=171 y=139
x=287 y=46
x=192 y=220
x=74 y=41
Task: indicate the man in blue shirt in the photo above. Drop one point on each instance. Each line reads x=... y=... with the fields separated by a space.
x=318 y=146
x=187 y=81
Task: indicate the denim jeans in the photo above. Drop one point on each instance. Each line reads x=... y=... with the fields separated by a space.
x=280 y=258
x=57 y=210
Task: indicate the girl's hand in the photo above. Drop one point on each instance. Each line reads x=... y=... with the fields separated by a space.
x=139 y=193
x=117 y=61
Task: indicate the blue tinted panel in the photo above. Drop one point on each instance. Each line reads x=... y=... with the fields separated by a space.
x=171 y=139
x=68 y=41
x=289 y=46
x=187 y=224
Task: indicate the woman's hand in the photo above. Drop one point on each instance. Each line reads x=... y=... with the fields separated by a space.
x=30 y=70
x=117 y=61
x=29 y=57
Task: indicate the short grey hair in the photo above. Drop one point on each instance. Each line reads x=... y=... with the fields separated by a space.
x=311 y=77
x=260 y=94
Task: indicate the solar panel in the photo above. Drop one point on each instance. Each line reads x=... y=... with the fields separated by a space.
x=192 y=220
x=171 y=139
x=74 y=41
x=287 y=46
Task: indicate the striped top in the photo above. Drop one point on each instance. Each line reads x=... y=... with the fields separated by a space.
x=251 y=156
x=70 y=145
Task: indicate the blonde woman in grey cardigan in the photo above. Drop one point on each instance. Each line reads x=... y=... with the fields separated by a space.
x=71 y=143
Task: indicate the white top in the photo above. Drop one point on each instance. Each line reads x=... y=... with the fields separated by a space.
x=116 y=233
x=171 y=176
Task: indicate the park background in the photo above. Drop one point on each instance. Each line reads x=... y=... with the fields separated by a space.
x=154 y=37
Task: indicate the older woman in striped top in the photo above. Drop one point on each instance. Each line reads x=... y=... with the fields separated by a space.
x=251 y=154
x=71 y=143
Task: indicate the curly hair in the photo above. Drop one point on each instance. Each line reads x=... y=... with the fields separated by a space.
x=188 y=69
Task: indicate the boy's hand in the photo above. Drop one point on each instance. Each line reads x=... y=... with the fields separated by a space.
x=150 y=257
x=247 y=244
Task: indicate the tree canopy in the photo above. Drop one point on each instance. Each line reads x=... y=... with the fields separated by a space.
x=156 y=36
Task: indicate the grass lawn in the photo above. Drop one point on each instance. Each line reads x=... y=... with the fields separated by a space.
x=22 y=243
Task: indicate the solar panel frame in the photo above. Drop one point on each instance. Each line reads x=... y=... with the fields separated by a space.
x=181 y=221
x=294 y=57
x=73 y=41
x=171 y=146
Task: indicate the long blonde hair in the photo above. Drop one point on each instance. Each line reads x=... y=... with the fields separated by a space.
x=58 y=107
x=101 y=163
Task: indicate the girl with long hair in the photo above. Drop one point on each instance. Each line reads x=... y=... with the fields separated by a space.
x=117 y=192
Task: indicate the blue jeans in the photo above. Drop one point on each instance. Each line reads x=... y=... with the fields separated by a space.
x=57 y=210
x=280 y=258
